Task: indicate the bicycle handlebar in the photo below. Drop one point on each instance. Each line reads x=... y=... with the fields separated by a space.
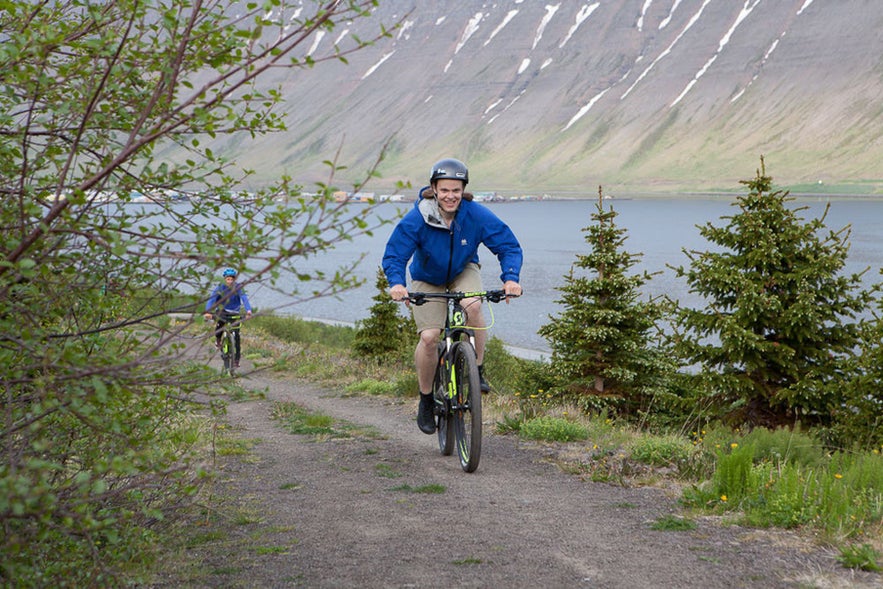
x=493 y=296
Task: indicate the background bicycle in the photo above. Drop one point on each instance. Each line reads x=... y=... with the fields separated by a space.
x=229 y=344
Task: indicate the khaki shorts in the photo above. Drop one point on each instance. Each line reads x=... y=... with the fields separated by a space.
x=431 y=314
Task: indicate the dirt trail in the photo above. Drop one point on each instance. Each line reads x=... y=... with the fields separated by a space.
x=345 y=514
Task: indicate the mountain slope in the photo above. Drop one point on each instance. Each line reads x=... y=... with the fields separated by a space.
x=567 y=95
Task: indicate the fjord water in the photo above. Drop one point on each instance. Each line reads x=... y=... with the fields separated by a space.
x=658 y=229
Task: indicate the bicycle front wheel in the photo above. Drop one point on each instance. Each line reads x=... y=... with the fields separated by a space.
x=227 y=353
x=445 y=429
x=466 y=406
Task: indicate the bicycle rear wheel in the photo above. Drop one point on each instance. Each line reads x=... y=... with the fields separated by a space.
x=445 y=428
x=466 y=406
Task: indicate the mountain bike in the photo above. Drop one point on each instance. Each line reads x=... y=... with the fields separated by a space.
x=456 y=385
x=227 y=347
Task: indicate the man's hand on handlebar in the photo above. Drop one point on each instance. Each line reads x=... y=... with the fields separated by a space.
x=399 y=293
x=512 y=289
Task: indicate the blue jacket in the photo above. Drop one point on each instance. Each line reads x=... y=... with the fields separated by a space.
x=232 y=299
x=440 y=253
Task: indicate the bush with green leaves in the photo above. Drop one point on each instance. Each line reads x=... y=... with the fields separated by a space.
x=553 y=429
x=662 y=450
x=117 y=207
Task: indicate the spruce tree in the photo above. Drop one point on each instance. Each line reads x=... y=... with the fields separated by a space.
x=780 y=316
x=858 y=422
x=385 y=333
x=602 y=343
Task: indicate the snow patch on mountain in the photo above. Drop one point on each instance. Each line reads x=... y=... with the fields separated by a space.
x=509 y=16
x=668 y=49
x=581 y=16
x=551 y=9
x=740 y=18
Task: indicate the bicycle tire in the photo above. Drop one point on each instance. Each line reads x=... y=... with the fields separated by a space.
x=227 y=353
x=466 y=405
x=445 y=425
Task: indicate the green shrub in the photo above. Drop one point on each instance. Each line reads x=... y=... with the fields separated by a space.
x=294 y=329
x=553 y=429
x=667 y=450
x=372 y=387
x=785 y=445
x=507 y=373
x=862 y=557
x=732 y=478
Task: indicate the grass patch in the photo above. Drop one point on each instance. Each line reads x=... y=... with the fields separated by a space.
x=386 y=471
x=204 y=538
x=294 y=329
x=228 y=570
x=430 y=489
x=300 y=421
x=469 y=560
x=227 y=446
x=553 y=429
x=672 y=523
x=373 y=387
x=271 y=550
x=668 y=450
x=860 y=556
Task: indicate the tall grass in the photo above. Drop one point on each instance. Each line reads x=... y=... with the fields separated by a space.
x=766 y=483
x=294 y=329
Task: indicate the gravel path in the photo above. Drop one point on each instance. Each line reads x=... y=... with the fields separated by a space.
x=346 y=513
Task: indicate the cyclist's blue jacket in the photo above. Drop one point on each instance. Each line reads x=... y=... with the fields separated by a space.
x=232 y=299
x=438 y=253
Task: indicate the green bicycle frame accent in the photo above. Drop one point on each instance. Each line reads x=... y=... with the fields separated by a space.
x=457 y=321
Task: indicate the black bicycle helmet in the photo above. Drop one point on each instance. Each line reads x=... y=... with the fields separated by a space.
x=449 y=169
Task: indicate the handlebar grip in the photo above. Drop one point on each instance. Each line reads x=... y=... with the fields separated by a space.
x=495 y=296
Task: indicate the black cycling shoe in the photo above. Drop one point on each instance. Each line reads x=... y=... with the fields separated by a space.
x=426 y=414
x=485 y=387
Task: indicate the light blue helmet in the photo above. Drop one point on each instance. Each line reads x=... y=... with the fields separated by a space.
x=230 y=272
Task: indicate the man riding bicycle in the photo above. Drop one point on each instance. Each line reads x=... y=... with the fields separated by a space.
x=440 y=236
x=226 y=303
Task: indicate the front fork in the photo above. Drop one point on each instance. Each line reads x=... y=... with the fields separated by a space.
x=446 y=368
